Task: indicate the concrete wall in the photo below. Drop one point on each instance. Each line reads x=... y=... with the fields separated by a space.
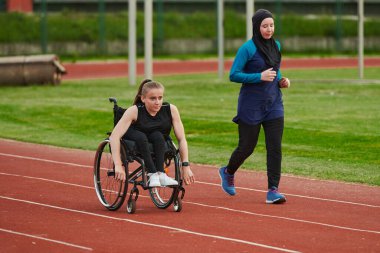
x=189 y=46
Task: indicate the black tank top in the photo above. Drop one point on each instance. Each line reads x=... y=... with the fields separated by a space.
x=147 y=123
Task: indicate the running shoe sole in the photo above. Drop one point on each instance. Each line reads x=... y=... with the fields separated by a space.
x=276 y=201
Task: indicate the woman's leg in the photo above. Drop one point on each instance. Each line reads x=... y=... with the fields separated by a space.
x=143 y=146
x=273 y=138
x=248 y=136
x=158 y=141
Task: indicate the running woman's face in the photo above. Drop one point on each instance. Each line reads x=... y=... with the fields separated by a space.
x=267 y=28
x=153 y=100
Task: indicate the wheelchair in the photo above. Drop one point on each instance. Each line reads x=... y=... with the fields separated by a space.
x=112 y=193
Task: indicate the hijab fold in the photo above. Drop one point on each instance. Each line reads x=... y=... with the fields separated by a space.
x=267 y=47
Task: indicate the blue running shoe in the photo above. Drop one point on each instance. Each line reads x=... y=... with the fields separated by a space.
x=227 y=181
x=274 y=197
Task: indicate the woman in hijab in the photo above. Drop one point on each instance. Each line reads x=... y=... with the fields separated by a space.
x=257 y=68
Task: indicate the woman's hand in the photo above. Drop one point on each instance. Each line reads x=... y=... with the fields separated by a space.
x=119 y=173
x=268 y=75
x=187 y=175
x=284 y=82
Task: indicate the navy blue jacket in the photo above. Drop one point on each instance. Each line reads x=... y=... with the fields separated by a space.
x=259 y=101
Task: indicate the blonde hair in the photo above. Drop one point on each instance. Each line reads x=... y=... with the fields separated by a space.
x=145 y=86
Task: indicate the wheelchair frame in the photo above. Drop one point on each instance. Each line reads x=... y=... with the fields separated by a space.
x=112 y=193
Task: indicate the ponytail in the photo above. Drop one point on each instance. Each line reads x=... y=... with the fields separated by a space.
x=139 y=92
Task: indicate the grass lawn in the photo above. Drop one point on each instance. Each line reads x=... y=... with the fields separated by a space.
x=332 y=128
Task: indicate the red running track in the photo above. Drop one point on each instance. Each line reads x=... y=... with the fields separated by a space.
x=48 y=204
x=171 y=67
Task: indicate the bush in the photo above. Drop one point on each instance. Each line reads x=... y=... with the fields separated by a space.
x=75 y=26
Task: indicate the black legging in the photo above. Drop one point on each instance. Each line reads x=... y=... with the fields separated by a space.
x=248 y=136
x=142 y=142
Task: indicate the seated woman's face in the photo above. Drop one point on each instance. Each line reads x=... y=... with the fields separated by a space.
x=153 y=100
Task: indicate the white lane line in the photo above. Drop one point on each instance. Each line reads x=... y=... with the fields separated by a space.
x=296 y=195
x=48 y=180
x=216 y=207
x=45 y=239
x=153 y=225
x=284 y=218
x=200 y=182
x=45 y=160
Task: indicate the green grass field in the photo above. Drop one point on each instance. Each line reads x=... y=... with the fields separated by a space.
x=332 y=127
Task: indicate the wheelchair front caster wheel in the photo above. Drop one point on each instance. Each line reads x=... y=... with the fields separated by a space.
x=177 y=205
x=131 y=206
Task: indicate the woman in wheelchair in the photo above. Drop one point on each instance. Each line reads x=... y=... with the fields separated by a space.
x=150 y=120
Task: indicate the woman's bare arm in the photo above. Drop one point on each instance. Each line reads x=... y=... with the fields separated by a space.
x=179 y=132
x=129 y=116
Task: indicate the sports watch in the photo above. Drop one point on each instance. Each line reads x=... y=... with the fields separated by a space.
x=185 y=164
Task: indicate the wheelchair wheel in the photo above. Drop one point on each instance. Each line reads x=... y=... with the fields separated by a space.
x=177 y=205
x=110 y=192
x=163 y=197
x=131 y=206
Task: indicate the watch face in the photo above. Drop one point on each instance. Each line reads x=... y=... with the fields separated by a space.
x=185 y=164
